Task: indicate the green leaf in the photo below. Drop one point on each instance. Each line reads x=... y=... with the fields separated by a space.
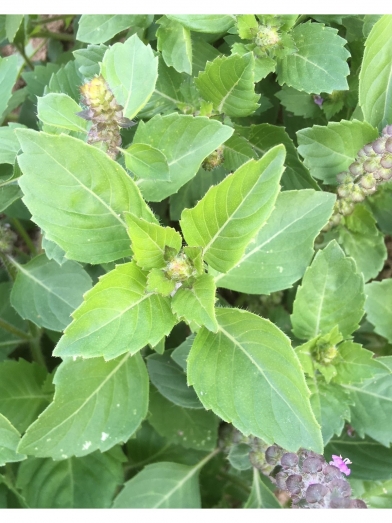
x=375 y=86
x=237 y=151
x=54 y=292
x=9 y=440
x=378 y=306
x=12 y=23
x=149 y=242
x=174 y=42
x=97 y=29
x=238 y=457
x=66 y=80
x=117 y=316
x=88 y=482
x=205 y=23
x=191 y=428
x=9 y=144
x=181 y=353
x=10 y=340
x=195 y=305
x=9 y=69
x=355 y=364
x=87 y=60
x=38 y=79
x=331 y=294
x=146 y=162
x=380 y=204
x=96 y=405
x=228 y=82
x=9 y=193
x=261 y=496
x=190 y=193
x=158 y=282
x=62 y=196
x=280 y=253
x=298 y=102
x=247 y=26
x=170 y=380
x=330 y=149
x=370 y=460
x=231 y=213
x=265 y=136
x=202 y=52
x=361 y=240
x=319 y=64
x=263 y=64
x=131 y=70
x=53 y=251
x=371 y=413
x=22 y=397
x=249 y=375
x=185 y=141
x=60 y=111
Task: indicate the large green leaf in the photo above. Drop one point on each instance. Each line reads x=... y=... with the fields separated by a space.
x=279 y=254
x=378 y=306
x=96 y=29
x=53 y=251
x=249 y=375
x=228 y=83
x=190 y=428
x=174 y=42
x=22 y=397
x=53 y=292
x=375 y=78
x=9 y=144
x=131 y=70
x=62 y=196
x=117 y=316
x=205 y=23
x=9 y=440
x=59 y=110
x=96 y=405
x=162 y=485
x=87 y=482
x=185 y=141
x=330 y=149
x=146 y=162
x=261 y=496
x=237 y=150
x=298 y=102
x=9 y=68
x=332 y=293
x=231 y=213
x=320 y=62
x=361 y=240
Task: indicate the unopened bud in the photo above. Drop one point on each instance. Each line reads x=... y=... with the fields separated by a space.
x=357 y=194
x=387 y=131
x=386 y=160
x=371 y=165
x=344 y=190
x=368 y=149
x=379 y=145
x=367 y=181
x=346 y=207
x=356 y=168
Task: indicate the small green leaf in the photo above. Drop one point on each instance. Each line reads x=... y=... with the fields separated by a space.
x=237 y=151
x=247 y=26
x=249 y=375
x=66 y=80
x=185 y=141
x=231 y=213
x=9 y=69
x=192 y=428
x=146 y=162
x=53 y=251
x=202 y=52
x=12 y=24
x=60 y=111
x=378 y=306
x=9 y=193
x=260 y=495
x=283 y=248
x=87 y=60
x=380 y=204
x=158 y=282
x=331 y=294
x=97 y=404
x=320 y=62
x=355 y=364
x=375 y=86
x=9 y=440
x=117 y=316
x=174 y=42
x=131 y=70
x=22 y=397
x=205 y=23
x=87 y=482
x=361 y=240
x=62 y=196
x=228 y=82
x=38 y=79
x=181 y=353
x=330 y=149
x=97 y=29
x=10 y=340
x=54 y=292
x=149 y=242
x=298 y=102
x=239 y=457
x=263 y=64
x=9 y=143
x=195 y=305
x=170 y=380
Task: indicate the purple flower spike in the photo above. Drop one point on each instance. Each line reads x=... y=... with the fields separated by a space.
x=341 y=463
x=318 y=100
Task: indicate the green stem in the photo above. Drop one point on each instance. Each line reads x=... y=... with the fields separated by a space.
x=14 y=330
x=25 y=57
x=55 y=36
x=43 y=21
x=10 y=485
x=35 y=344
x=21 y=230
x=10 y=267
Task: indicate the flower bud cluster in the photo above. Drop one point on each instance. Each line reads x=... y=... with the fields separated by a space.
x=7 y=239
x=372 y=167
x=267 y=37
x=105 y=114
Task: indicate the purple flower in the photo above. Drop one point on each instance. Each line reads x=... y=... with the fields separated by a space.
x=341 y=464
x=318 y=100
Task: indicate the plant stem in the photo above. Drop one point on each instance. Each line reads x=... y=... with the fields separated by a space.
x=21 y=230
x=14 y=330
x=10 y=485
x=10 y=267
x=25 y=57
x=43 y=21
x=35 y=345
x=56 y=36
